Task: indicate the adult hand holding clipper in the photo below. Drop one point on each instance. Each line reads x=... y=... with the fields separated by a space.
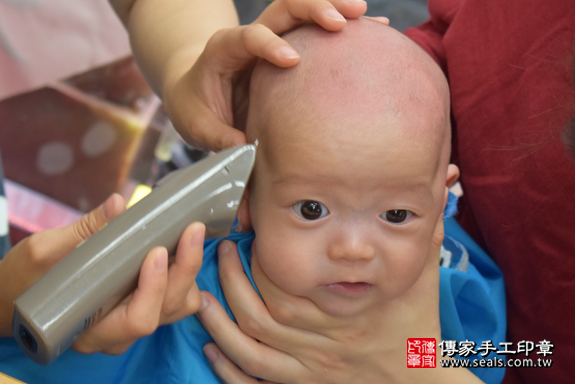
x=51 y=314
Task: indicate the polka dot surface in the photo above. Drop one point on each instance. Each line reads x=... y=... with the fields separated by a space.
x=55 y=158
x=98 y=139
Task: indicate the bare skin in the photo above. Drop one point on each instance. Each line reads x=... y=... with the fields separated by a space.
x=168 y=40
x=362 y=278
x=165 y=293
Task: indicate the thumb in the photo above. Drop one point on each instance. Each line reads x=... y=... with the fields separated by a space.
x=32 y=257
x=65 y=240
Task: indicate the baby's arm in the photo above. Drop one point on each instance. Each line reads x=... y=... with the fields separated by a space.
x=163 y=294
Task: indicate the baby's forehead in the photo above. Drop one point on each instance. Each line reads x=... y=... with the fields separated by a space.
x=348 y=86
x=332 y=153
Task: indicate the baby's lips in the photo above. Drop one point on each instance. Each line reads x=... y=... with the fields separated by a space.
x=348 y=288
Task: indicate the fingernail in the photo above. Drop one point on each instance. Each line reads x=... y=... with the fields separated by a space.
x=355 y=1
x=161 y=262
x=204 y=301
x=288 y=53
x=198 y=235
x=335 y=15
x=109 y=207
x=211 y=353
x=224 y=247
x=239 y=227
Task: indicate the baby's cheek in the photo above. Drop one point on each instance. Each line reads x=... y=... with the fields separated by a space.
x=404 y=269
x=282 y=260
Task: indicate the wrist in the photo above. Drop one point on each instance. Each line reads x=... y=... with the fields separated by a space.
x=176 y=68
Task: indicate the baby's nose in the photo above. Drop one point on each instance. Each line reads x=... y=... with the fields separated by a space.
x=352 y=245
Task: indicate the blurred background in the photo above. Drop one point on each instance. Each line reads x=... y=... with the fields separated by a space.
x=67 y=144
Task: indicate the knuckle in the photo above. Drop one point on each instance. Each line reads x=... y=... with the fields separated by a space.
x=252 y=327
x=215 y=41
x=191 y=267
x=252 y=30
x=284 y=314
x=193 y=303
x=331 y=362
x=36 y=251
x=226 y=273
x=85 y=227
x=116 y=350
x=252 y=366
x=84 y=348
x=144 y=327
x=33 y=249
x=169 y=310
x=252 y=38
x=219 y=35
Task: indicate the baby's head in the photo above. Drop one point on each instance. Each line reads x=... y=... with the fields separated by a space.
x=352 y=166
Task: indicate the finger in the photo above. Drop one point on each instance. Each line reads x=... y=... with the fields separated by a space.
x=224 y=368
x=281 y=16
x=255 y=359
x=282 y=321
x=90 y=223
x=233 y=49
x=379 y=19
x=201 y=126
x=182 y=295
x=209 y=131
x=135 y=317
x=44 y=249
x=240 y=293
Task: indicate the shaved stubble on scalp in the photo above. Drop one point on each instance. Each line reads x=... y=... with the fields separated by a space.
x=353 y=81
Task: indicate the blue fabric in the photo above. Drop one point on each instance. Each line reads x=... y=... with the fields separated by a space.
x=472 y=307
x=472 y=303
x=451 y=206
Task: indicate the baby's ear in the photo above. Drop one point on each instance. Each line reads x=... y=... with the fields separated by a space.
x=452 y=175
x=244 y=219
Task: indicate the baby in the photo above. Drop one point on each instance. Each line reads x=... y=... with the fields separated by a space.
x=353 y=170
x=350 y=182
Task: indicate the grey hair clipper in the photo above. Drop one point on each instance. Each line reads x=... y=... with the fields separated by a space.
x=91 y=280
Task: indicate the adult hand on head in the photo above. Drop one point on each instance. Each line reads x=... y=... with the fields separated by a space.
x=163 y=294
x=287 y=341
x=200 y=103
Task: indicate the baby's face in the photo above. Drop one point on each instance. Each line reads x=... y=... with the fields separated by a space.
x=342 y=219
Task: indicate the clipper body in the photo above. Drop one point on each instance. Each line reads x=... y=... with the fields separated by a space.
x=89 y=282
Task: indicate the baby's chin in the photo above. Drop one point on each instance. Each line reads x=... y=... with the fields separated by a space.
x=343 y=307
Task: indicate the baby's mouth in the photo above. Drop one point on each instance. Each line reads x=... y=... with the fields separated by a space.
x=347 y=288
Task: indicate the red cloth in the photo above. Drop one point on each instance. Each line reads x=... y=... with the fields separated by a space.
x=510 y=66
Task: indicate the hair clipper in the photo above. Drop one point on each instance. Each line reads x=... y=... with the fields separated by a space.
x=91 y=280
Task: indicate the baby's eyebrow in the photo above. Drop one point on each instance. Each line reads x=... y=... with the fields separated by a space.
x=420 y=189
x=298 y=179
x=423 y=191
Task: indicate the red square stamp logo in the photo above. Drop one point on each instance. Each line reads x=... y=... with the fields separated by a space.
x=421 y=353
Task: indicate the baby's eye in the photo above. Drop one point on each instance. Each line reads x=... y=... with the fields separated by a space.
x=310 y=210
x=396 y=216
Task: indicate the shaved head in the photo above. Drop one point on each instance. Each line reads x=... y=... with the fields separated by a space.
x=357 y=77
